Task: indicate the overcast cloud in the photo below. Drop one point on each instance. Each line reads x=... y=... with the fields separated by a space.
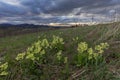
x=57 y=11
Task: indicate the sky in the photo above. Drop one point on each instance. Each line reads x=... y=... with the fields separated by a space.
x=58 y=11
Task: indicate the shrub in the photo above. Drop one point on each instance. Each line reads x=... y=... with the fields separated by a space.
x=57 y=43
x=60 y=59
x=87 y=55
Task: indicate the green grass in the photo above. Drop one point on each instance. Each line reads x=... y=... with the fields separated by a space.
x=93 y=35
x=16 y=44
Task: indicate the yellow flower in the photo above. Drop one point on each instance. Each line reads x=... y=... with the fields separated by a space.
x=20 y=56
x=90 y=52
x=83 y=46
x=30 y=56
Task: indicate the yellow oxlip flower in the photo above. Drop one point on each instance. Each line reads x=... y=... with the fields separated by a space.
x=3 y=69
x=83 y=46
x=59 y=55
x=30 y=56
x=90 y=52
x=20 y=56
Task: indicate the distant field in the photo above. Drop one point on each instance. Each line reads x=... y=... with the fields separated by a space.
x=13 y=43
x=12 y=31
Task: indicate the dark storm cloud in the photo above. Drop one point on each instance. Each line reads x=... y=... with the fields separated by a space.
x=59 y=7
x=68 y=5
x=46 y=11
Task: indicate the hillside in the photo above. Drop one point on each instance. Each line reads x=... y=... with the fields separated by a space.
x=50 y=68
x=18 y=29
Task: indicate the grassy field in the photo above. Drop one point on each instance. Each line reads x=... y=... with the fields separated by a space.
x=93 y=35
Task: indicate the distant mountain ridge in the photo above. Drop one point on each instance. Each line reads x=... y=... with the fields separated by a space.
x=6 y=25
x=12 y=29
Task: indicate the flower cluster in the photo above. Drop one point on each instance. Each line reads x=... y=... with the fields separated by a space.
x=57 y=43
x=89 y=55
x=39 y=54
x=3 y=69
